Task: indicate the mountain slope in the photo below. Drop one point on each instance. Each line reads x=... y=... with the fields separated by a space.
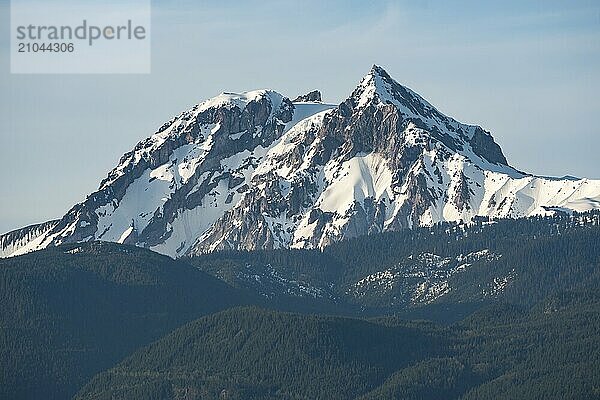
x=12 y=242
x=440 y=272
x=550 y=352
x=251 y=353
x=68 y=312
x=256 y=171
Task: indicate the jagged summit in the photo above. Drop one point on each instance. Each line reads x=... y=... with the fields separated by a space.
x=314 y=95
x=254 y=170
x=410 y=111
x=379 y=87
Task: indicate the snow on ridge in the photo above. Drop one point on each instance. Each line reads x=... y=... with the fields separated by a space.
x=378 y=86
x=499 y=284
x=12 y=242
x=184 y=121
x=422 y=278
x=305 y=118
x=304 y=110
x=241 y=100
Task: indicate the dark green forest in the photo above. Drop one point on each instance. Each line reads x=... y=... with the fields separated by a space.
x=548 y=352
x=69 y=312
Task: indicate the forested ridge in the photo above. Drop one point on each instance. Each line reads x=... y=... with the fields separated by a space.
x=550 y=351
x=66 y=313
x=537 y=255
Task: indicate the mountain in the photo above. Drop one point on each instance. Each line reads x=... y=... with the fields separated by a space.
x=258 y=171
x=69 y=312
x=550 y=351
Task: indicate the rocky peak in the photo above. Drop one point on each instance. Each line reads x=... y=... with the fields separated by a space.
x=379 y=88
x=314 y=96
x=378 y=91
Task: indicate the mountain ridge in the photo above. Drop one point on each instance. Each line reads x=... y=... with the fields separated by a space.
x=254 y=171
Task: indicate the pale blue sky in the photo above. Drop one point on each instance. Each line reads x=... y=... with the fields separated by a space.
x=528 y=71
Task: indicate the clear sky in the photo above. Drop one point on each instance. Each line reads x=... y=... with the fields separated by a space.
x=528 y=71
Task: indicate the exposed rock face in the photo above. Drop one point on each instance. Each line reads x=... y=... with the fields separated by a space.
x=314 y=96
x=256 y=171
x=483 y=145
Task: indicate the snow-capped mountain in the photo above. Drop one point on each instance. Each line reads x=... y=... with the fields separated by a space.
x=257 y=171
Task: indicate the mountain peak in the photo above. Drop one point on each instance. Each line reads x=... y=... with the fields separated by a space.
x=373 y=86
x=312 y=96
x=253 y=170
x=379 y=88
x=378 y=70
x=241 y=100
